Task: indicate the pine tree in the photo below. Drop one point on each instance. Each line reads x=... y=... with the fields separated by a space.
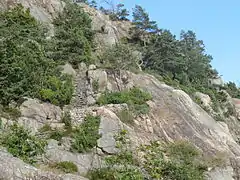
x=142 y=21
x=142 y=25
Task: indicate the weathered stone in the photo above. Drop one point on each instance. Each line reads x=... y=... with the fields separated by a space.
x=13 y=168
x=205 y=99
x=68 y=69
x=42 y=10
x=108 y=32
x=58 y=126
x=225 y=173
x=99 y=76
x=84 y=162
x=91 y=100
x=217 y=82
x=35 y=114
x=92 y=67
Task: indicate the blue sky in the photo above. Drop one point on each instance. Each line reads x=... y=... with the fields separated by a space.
x=216 y=22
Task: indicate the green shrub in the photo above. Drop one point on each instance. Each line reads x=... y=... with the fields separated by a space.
x=178 y=161
x=135 y=98
x=10 y=112
x=58 y=91
x=56 y=135
x=86 y=135
x=45 y=128
x=21 y=144
x=66 y=166
x=67 y=120
x=119 y=166
x=120 y=57
x=218 y=117
x=126 y=116
x=48 y=133
x=182 y=164
x=95 y=85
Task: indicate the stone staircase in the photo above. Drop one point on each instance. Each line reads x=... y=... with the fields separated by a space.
x=79 y=99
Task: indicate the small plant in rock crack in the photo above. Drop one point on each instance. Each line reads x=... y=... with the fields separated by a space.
x=126 y=116
x=85 y=136
x=67 y=120
x=65 y=166
x=95 y=85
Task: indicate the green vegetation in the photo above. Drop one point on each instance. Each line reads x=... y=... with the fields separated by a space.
x=126 y=116
x=119 y=57
x=95 y=86
x=73 y=38
x=85 y=136
x=135 y=98
x=21 y=144
x=29 y=61
x=58 y=91
x=119 y=166
x=178 y=161
x=65 y=166
x=67 y=120
x=9 y=112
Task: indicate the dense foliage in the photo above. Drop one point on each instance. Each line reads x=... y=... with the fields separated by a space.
x=135 y=98
x=176 y=161
x=66 y=166
x=23 y=64
x=20 y=143
x=29 y=61
x=73 y=37
x=85 y=136
x=120 y=57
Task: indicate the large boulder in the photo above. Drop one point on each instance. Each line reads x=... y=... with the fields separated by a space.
x=108 y=32
x=35 y=114
x=204 y=98
x=14 y=168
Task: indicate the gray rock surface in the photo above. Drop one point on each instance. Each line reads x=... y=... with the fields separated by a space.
x=35 y=114
x=42 y=10
x=12 y=168
x=68 y=69
x=98 y=76
x=108 y=32
x=205 y=99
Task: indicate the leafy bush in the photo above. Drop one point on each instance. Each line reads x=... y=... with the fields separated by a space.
x=135 y=98
x=57 y=91
x=56 y=134
x=66 y=166
x=21 y=144
x=120 y=57
x=48 y=133
x=182 y=164
x=67 y=120
x=86 y=135
x=95 y=86
x=126 y=116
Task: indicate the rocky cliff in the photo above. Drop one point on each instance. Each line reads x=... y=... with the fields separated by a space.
x=173 y=114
